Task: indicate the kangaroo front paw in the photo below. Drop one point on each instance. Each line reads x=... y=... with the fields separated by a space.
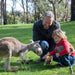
x=27 y=61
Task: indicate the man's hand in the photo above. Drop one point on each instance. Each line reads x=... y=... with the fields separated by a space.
x=57 y=55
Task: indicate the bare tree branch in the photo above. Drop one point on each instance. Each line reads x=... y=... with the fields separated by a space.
x=59 y=2
x=51 y=1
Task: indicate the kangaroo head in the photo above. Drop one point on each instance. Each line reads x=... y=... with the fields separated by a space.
x=36 y=48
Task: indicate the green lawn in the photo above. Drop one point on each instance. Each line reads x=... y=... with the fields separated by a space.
x=23 y=32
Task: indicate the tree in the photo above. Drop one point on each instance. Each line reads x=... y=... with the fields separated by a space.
x=66 y=11
x=2 y=12
x=72 y=10
x=0 y=6
x=40 y=6
x=23 y=6
x=54 y=2
x=35 y=1
x=13 y=9
x=5 y=16
x=27 y=11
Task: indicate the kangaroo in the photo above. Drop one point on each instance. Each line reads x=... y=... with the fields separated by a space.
x=10 y=46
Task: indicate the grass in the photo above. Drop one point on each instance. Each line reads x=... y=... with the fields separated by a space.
x=23 y=32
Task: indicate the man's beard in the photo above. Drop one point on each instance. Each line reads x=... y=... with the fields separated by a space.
x=46 y=27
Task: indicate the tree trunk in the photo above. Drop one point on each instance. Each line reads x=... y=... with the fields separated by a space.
x=72 y=10
x=5 y=17
x=2 y=12
x=35 y=11
x=14 y=18
x=13 y=13
x=27 y=11
x=23 y=8
x=54 y=8
x=65 y=17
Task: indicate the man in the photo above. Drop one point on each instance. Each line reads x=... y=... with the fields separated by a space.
x=42 y=30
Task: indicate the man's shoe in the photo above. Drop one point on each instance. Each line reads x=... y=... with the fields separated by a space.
x=39 y=60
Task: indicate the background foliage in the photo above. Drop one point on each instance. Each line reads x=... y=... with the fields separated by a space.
x=33 y=10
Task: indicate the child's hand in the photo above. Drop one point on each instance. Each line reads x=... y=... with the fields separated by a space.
x=57 y=55
x=47 y=54
x=44 y=57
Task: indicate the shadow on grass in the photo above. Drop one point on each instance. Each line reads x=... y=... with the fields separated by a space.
x=32 y=66
x=12 y=64
x=41 y=66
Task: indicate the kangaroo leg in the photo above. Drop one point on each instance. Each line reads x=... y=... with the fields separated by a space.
x=23 y=58
x=7 y=62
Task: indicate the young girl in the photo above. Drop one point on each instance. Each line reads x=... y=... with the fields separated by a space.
x=63 y=57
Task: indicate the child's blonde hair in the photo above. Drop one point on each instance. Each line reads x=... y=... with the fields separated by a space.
x=59 y=33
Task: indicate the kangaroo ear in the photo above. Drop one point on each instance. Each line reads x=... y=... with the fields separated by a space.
x=31 y=41
x=37 y=41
